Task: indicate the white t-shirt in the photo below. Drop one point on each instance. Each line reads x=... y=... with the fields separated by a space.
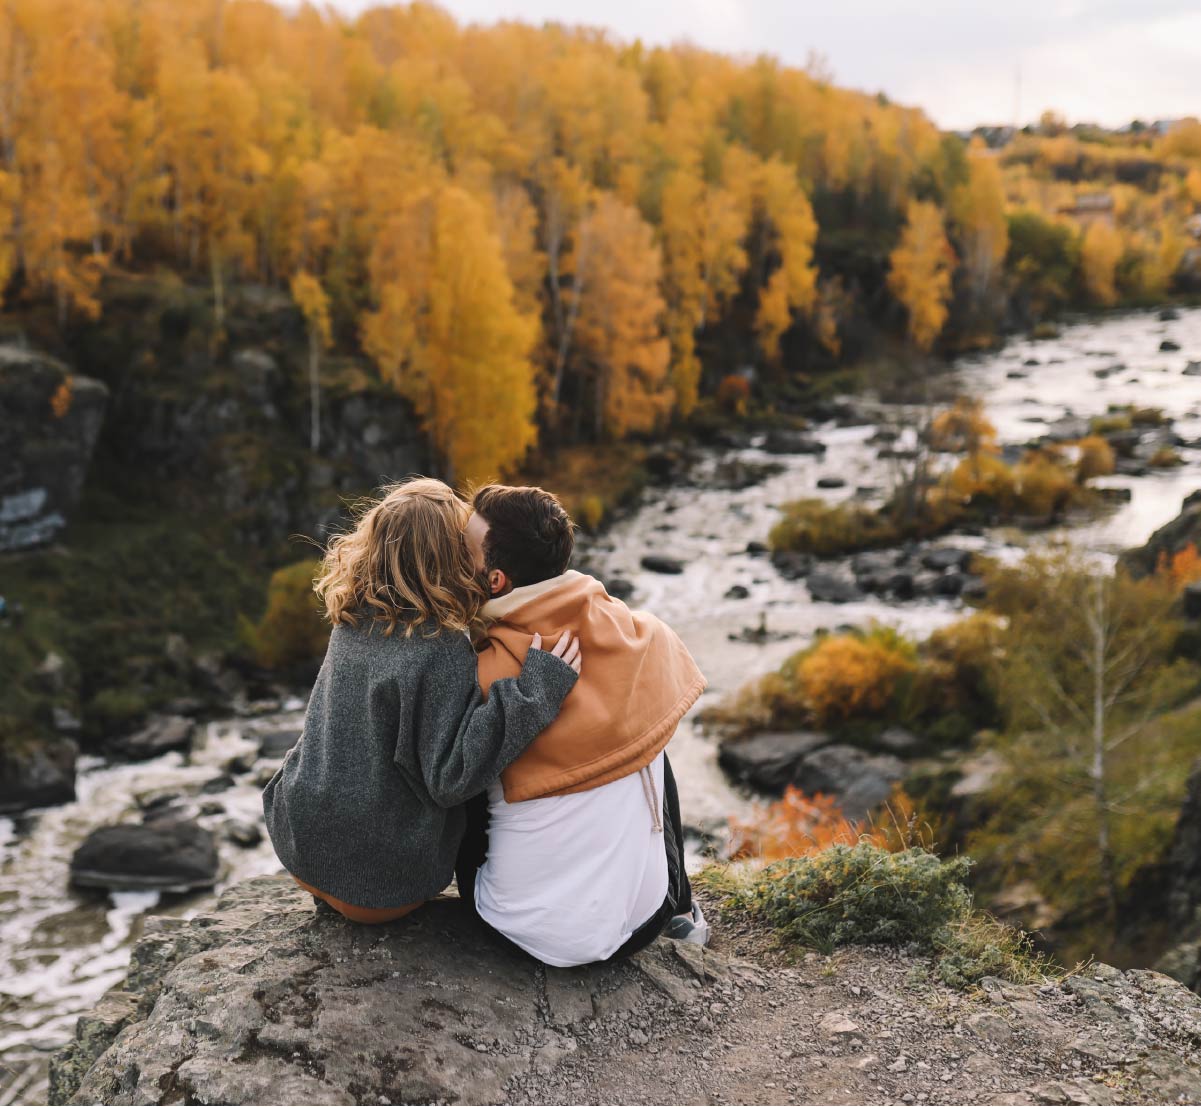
x=570 y=878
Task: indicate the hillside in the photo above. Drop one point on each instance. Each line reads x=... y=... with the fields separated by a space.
x=266 y=1000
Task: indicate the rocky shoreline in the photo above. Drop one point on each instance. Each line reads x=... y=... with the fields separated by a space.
x=268 y=999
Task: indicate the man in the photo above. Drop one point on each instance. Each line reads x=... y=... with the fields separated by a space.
x=582 y=836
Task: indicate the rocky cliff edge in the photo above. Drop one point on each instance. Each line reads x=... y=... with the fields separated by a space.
x=267 y=1000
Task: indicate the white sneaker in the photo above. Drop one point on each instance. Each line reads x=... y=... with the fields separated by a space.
x=690 y=927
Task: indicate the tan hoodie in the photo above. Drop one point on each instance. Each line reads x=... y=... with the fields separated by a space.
x=637 y=682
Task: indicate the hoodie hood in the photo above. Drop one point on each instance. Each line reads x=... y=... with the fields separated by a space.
x=637 y=681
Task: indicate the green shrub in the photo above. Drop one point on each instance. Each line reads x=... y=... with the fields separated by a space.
x=1110 y=424
x=117 y=710
x=292 y=633
x=866 y=895
x=860 y=895
x=816 y=527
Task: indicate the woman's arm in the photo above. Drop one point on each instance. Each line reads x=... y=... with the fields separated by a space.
x=465 y=741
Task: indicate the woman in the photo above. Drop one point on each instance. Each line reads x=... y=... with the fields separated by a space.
x=366 y=811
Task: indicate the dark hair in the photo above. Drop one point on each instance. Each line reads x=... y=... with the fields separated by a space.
x=530 y=536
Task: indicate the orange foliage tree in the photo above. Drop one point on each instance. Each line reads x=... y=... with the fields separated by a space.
x=444 y=329
x=797 y=825
x=1180 y=568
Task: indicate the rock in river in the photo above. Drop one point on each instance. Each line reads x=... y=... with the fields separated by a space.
x=619 y=588
x=277 y=741
x=656 y=563
x=941 y=558
x=790 y=564
x=161 y=734
x=768 y=762
x=780 y=441
x=828 y=587
x=175 y=856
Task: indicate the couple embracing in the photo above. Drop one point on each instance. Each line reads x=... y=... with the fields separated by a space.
x=486 y=712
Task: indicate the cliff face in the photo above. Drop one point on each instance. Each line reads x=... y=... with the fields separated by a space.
x=49 y=422
x=268 y=1001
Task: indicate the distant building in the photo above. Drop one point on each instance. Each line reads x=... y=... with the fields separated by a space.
x=1090 y=208
x=994 y=137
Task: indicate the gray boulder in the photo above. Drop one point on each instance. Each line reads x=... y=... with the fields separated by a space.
x=734 y=474
x=941 y=558
x=49 y=422
x=827 y=587
x=860 y=781
x=1066 y=429
x=278 y=740
x=875 y=562
x=160 y=735
x=768 y=762
x=37 y=774
x=167 y=855
x=657 y=563
x=782 y=441
x=898 y=740
x=790 y=564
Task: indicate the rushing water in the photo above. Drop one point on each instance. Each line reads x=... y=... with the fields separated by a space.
x=60 y=950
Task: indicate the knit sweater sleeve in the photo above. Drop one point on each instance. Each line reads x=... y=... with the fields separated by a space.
x=468 y=741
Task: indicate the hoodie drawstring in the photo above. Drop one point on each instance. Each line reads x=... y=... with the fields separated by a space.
x=648 y=790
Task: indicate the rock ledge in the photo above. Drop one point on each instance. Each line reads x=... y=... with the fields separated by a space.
x=265 y=1000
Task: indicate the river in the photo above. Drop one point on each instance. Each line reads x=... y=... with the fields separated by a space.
x=60 y=950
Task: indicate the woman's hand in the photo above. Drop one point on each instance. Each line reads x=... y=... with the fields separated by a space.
x=567 y=648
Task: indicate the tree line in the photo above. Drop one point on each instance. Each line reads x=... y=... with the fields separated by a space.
x=541 y=234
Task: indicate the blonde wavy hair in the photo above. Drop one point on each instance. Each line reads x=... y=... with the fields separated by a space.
x=405 y=563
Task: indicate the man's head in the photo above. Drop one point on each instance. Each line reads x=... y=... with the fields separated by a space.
x=518 y=536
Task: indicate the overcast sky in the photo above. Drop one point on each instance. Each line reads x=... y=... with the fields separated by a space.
x=964 y=61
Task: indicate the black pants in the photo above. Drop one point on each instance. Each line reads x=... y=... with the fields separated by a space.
x=678 y=901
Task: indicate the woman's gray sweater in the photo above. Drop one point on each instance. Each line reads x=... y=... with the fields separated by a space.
x=367 y=805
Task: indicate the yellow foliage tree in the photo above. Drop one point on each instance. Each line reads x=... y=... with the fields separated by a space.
x=445 y=331
x=793 y=286
x=702 y=230
x=978 y=208
x=919 y=273
x=619 y=328
x=1100 y=252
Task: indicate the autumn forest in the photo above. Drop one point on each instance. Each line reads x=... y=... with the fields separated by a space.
x=591 y=234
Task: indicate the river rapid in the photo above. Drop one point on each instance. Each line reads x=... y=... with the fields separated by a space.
x=60 y=950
